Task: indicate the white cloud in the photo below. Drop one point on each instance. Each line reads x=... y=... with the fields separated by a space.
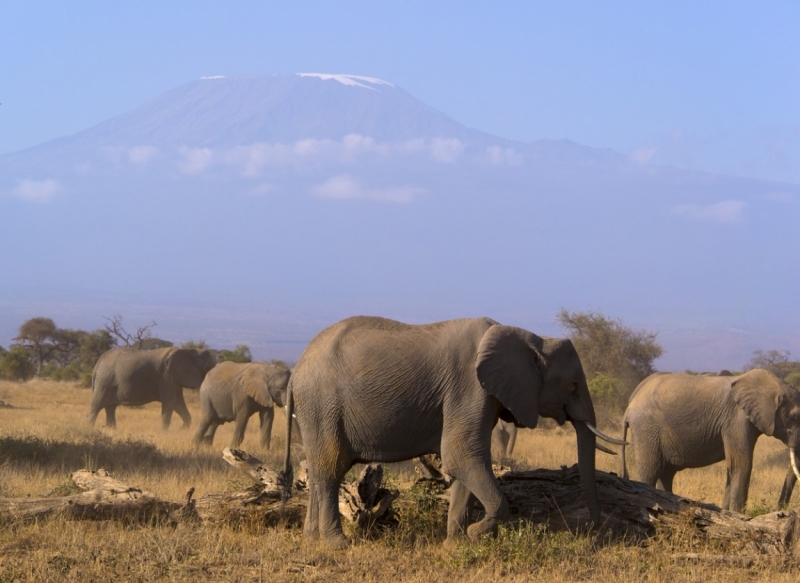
x=36 y=190
x=643 y=155
x=727 y=211
x=255 y=157
x=141 y=154
x=195 y=160
x=446 y=149
x=503 y=156
x=345 y=187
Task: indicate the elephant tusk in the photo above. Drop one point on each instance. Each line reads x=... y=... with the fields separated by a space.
x=793 y=458
x=605 y=437
x=604 y=449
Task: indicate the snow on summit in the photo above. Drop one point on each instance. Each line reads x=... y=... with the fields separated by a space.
x=352 y=80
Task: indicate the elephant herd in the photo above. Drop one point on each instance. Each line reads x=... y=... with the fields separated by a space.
x=370 y=389
x=228 y=391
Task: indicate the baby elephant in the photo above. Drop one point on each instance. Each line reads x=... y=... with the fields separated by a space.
x=233 y=392
x=689 y=421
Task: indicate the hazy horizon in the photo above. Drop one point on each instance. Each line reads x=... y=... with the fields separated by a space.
x=642 y=162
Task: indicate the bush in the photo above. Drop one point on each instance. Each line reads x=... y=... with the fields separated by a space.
x=16 y=364
x=615 y=357
x=239 y=354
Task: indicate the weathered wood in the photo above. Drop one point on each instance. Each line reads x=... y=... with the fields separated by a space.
x=104 y=499
x=631 y=511
x=363 y=502
x=636 y=512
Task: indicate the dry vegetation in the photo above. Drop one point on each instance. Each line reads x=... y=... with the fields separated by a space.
x=44 y=437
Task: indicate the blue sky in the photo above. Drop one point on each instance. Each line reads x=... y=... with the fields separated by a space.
x=711 y=85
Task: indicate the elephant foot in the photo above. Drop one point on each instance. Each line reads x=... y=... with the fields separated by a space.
x=336 y=542
x=485 y=526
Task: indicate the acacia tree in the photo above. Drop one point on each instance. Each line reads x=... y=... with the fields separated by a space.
x=615 y=357
x=41 y=337
x=776 y=361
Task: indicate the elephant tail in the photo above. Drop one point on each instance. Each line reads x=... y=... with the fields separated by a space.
x=286 y=477
x=624 y=472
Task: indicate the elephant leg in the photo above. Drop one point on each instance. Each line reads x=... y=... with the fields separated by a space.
x=311 y=525
x=788 y=486
x=202 y=431
x=512 y=439
x=166 y=416
x=92 y=416
x=740 y=484
x=739 y=458
x=665 y=481
x=477 y=478
x=726 y=497
x=242 y=416
x=461 y=501
x=182 y=410
x=111 y=416
x=330 y=521
x=267 y=416
x=212 y=431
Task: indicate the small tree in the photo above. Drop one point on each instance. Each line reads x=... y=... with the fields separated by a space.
x=44 y=341
x=16 y=364
x=239 y=354
x=615 y=357
x=137 y=339
x=775 y=361
x=195 y=344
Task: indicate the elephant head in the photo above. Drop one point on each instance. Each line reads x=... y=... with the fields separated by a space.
x=266 y=384
x=533 y=376
x=772 y=406
x=188 y=366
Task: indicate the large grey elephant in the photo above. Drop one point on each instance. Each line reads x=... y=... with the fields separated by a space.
x=126 y=376
x=234 y=392
x=369 y=389
x=682 y=421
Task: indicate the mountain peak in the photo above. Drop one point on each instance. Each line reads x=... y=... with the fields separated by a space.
x=352 y=80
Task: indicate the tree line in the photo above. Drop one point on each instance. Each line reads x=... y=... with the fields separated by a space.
x=615 y=357
x=44 y=350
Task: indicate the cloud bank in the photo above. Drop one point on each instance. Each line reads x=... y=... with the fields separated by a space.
x=36 y=190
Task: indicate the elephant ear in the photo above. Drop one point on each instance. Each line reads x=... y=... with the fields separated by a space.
x=510 y=369
x=759 y=393
x=182 y=367
x=255 y=384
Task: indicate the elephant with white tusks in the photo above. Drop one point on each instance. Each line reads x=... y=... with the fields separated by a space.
x=369 y=389
x=682 y=421
x=127 y=376
x=234 y=392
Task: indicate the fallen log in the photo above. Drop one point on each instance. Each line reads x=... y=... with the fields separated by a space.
x=364 y=502
x=103 y=499
x=633 y=511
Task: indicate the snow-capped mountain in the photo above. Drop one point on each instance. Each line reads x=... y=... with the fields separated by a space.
x=342 y=194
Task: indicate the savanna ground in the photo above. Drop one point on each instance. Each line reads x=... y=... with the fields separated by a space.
x=44 y=437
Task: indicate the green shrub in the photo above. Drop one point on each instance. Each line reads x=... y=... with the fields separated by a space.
x=16 y=364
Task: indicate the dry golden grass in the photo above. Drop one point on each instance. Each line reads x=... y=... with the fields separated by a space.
x=44 y=437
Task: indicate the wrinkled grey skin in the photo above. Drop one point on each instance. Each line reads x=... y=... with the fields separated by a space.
x=504 y=437
x=369 y=389
x=234 y=392
x=685 y=421
x=126 y=376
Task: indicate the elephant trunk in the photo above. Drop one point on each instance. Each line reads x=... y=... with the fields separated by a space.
x=586 y=447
